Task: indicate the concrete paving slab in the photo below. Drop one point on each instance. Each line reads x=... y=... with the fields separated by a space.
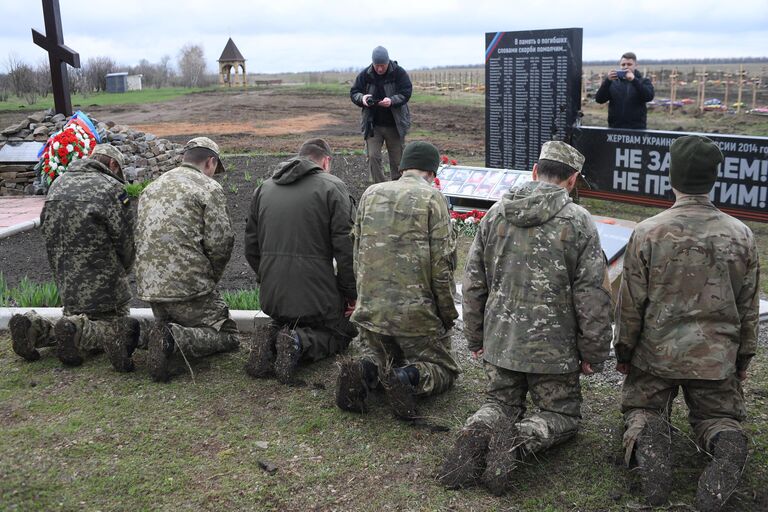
x=19 y=214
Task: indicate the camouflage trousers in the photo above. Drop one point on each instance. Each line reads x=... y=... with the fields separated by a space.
x=558 y=398
x=319 y=341
x=431 y=355
x=92 y=328
x=714 y=406
x=201 y=326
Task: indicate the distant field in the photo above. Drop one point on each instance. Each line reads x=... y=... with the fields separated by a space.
x=100 y=99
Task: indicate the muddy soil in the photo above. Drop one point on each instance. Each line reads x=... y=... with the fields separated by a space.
x=24 y=254
x=279 y=119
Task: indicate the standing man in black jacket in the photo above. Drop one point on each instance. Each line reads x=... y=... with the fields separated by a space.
x=627 y=93
x=297 y=241
x=383 y=90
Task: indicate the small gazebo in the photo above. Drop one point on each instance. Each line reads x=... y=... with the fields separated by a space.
x=230 y=59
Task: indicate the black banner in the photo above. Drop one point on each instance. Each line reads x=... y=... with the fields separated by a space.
x=532 y=93
x=633 y=166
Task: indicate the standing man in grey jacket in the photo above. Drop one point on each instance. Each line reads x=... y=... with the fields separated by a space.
x=297 y=241
x=383 y=90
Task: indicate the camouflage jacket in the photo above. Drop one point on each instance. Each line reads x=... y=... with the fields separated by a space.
x=184 y=236
x=299 y=223
x=688 y=306
x=534 y=296
x=87 y=223
x=403 y=249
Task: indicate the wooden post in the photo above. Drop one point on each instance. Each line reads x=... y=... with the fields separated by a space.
x=741 y=86
x=727 y=85
x=672 y=89
x=755 y=85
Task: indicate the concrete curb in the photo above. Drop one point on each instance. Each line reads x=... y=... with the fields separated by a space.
x=246 y=320
x=18 y=228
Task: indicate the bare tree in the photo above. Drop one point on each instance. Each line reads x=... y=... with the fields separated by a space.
x=5 y=87
x=96 y=70
x=20 y=75
x=42 y=75
x=191 y=65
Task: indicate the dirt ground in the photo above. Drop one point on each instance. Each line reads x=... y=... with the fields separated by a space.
x=279 y=119
x=24 y=254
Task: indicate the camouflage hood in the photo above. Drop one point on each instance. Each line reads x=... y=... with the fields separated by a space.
x=534 y=203
x=294 y=170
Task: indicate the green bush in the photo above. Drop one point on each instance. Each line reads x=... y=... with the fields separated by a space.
x=242 y=299
x=135 y=189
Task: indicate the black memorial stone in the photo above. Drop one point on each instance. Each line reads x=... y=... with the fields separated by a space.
x=533 y=93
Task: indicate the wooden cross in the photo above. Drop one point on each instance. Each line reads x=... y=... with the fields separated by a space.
x=59 y=55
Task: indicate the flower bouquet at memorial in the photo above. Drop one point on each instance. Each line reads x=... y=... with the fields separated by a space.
x=466 y=222
x=74 y=141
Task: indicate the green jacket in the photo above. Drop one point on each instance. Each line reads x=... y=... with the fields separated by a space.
x=404 y=247
x=299 y=223
x=87 y=223
x=533 y=284
x=689 y=304
x=184 y=236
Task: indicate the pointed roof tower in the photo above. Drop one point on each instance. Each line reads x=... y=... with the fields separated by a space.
x=231 y=53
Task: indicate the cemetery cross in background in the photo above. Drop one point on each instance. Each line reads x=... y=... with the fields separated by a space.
x=59 y=55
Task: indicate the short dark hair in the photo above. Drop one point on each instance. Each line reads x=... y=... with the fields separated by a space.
x=198 y=155
x=629 y=56
x=103 y=159
x=555 y=170
x=315 y=149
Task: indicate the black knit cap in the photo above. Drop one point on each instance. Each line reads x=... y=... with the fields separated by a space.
x=420 y=155
x=693 y=164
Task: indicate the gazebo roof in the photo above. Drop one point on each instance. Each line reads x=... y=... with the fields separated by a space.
x=231 y=53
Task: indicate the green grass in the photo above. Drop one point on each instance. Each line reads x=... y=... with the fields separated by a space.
x=29 y=294
x=88 y=438
x=104 y=99
x=135 y=189
x=242 y=299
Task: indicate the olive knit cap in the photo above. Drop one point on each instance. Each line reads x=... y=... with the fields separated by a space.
x=420 y=155
x=693 y=164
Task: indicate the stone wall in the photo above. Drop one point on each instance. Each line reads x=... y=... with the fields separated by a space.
x=146 y=156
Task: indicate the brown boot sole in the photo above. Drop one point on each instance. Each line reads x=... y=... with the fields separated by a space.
x=721 y=476
x=401 y=397
x=261 y=363
x=288 y=355
x=652 y=453
x=156 y=357
x=504 y=455
x=117 y=349
x=66 y=346
x=465 y=464
x=351 y=391
x=19 y=326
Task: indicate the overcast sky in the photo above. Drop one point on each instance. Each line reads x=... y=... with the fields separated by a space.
x=297 y=35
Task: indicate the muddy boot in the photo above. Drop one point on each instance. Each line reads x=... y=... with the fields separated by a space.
x=160 y=351
x=120 y=347
x=505 y=451
x=66 y=342
x=355 y=380
x=465 y=464
x=22 y=339
x=262 y=359
x=652 y=453
x=288 y=346
x=721 y=476
x=400 y=388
